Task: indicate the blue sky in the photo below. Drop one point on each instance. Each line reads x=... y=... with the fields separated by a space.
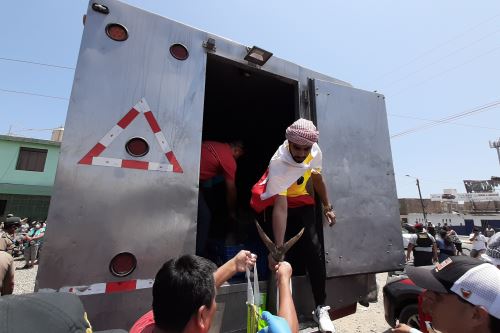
x=431 y=59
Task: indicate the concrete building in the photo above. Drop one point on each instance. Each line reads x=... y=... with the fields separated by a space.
x=27 y=173
x=462 y=217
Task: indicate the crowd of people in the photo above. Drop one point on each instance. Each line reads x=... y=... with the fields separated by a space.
x=462 y=293
x=18 y=237
x=431 y=244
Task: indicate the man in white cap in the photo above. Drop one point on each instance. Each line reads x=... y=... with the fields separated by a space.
x=462 y=295
x=286 y=190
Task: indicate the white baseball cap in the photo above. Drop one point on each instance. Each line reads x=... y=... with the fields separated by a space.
x=471 y=279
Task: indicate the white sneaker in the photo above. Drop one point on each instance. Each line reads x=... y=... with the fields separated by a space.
x=322 y=317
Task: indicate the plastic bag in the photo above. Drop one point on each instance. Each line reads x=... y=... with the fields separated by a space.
x=255 y=303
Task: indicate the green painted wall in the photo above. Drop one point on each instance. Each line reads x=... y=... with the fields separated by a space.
x=30 y=181
x=34 y=207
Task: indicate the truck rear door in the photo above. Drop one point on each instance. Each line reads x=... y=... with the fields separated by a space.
x=127 y=178
x=358 y=171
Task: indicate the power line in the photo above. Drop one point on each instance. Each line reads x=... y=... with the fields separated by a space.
x=440 y=59
x=36 y=63
x=444 y=72
x=447 y=119
x=438 y=46
x=451 y=123
x=33 y=94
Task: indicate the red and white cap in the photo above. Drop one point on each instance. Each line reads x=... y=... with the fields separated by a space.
x=302 y=132
x=471 y=279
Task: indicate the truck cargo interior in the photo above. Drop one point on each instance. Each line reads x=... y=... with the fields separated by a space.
x=247 y=104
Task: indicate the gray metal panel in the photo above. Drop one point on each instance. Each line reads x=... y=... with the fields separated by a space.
x=97 y=212
x=358 y=170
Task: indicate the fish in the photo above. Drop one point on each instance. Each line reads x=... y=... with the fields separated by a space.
x=278 y=254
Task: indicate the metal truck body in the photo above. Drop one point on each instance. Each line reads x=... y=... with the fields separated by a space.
x=109 y=200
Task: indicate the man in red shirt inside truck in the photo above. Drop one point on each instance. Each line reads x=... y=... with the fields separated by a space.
x=217 y=164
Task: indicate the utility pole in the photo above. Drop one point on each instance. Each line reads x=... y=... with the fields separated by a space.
x=420 y=195
x=496 y=145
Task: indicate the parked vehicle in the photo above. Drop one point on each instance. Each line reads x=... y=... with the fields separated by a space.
x=401 y=300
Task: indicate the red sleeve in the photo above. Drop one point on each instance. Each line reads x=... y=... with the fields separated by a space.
x=227 y=163
x=145 y=324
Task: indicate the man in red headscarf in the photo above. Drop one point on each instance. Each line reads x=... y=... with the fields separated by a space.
x=285 y=193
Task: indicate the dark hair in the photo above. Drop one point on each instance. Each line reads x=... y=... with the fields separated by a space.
x=181 y=287
x=237 y=144
x=494 y=324
x=442 y=233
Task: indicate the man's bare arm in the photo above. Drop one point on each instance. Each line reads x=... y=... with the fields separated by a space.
x=320 y=188
x=231 y=197
x=287 y=307
x=280 y=214
x=408 y=251
x=235 y=265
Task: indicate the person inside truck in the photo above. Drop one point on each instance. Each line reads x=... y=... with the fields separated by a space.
x=184 y=295
x=285 y=195
x=217 y=164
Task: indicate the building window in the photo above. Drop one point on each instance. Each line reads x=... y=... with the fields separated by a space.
x=3 y=204
x=31 y=159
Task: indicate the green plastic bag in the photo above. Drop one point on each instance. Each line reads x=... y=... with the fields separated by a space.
x=256 y=303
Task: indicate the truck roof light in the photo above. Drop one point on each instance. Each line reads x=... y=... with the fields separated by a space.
x=123 y=264
x=137 y=147
x=179 y=51
x=117 y=32
x=258 y=56
x=209 y=44
x=100 y=8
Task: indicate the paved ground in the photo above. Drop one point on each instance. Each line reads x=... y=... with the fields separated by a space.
x=24 y=278
x=369 y=319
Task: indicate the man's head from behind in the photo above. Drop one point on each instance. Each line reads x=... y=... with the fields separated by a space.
x=237 y=148
x=462 y=294
x=184 y=294
x=11 y=224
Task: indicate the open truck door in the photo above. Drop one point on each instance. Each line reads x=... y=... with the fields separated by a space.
x=359 y=175
x=127 y=179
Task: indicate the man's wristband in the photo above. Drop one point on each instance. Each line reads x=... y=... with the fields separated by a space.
x=327 y=209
